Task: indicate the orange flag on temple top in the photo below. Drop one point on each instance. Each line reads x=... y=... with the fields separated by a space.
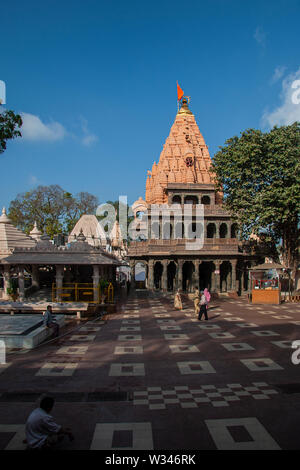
x=179 y=92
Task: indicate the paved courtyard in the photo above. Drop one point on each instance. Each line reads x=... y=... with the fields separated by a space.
x=150 y=377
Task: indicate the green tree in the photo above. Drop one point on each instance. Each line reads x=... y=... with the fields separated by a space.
x=10 y=124
x=259 y=174
x=54 y=209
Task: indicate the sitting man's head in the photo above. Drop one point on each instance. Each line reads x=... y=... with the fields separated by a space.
x=49 y=308
x=47 y=404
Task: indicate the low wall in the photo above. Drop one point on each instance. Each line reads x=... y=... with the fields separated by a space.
x=32 y=339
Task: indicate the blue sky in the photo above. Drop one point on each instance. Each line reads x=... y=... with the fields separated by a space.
x=96 y=83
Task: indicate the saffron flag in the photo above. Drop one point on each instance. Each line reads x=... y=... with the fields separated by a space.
x=179 y=92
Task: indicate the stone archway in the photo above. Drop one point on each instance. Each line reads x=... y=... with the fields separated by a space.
x=225 y=276
x=140 y=274
x=206 y=269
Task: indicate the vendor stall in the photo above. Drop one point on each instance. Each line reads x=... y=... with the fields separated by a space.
x=265 y=282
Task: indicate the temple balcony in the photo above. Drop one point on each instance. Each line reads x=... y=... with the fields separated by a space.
x=217 y=246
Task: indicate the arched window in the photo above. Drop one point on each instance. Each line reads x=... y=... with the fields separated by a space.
x=205 y=200
x=211 y=230
x=176 y=200
x=223 y=231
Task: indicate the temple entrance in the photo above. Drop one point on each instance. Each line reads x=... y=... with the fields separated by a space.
x=205 y=275
x=158 y=270
x=187 y=276
x=140 y=275
x=225 y=276
x=171 y=273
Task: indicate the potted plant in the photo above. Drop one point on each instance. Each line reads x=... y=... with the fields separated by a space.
x=12 y=291
x=103 y=283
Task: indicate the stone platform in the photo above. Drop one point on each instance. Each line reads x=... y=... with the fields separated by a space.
x=25 y=331
x=40 y=307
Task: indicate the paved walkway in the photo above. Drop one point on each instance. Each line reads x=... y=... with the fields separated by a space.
x=151 y=377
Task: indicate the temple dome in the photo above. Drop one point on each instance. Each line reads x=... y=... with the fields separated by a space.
x=92 y=230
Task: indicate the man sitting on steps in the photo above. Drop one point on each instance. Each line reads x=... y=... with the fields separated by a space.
x=50 y=322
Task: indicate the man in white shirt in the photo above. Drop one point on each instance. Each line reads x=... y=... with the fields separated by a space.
x=42 y=431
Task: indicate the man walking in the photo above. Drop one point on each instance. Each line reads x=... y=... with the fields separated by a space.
x=203 y=309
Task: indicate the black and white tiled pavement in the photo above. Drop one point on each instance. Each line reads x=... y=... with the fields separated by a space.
x=158 y=399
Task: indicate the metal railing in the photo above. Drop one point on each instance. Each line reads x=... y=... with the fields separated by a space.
x=83 y=292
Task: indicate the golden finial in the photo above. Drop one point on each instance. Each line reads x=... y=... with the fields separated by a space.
x=184 y=109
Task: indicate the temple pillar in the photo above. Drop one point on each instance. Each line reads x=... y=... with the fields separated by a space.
x=233 y=274
x=21 y=284
x=151 y=274
x=217 y=275
x=132 y=273
x=6 y=281
x=96 y=279
x=196 y=274
x=35 y=281
x=180 y=274
x=59 y=278
x=213 y=278
x=164 y=279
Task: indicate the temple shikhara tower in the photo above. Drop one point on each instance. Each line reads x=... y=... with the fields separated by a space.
x=182 y=176
x=184 y=159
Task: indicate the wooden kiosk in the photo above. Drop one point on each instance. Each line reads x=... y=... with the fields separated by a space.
x=265 y=282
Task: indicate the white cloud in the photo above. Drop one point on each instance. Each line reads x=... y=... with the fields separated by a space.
x=33 y=180
x=289 y=110
x=88 y=138
x=278 y=73
x=260 y=36
x=34 y=129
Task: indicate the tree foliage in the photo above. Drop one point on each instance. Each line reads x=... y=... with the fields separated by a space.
x=54 y=209
x=10 y=124
x=260 y=176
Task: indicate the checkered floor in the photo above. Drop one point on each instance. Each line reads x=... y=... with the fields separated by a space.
x=155 y=398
